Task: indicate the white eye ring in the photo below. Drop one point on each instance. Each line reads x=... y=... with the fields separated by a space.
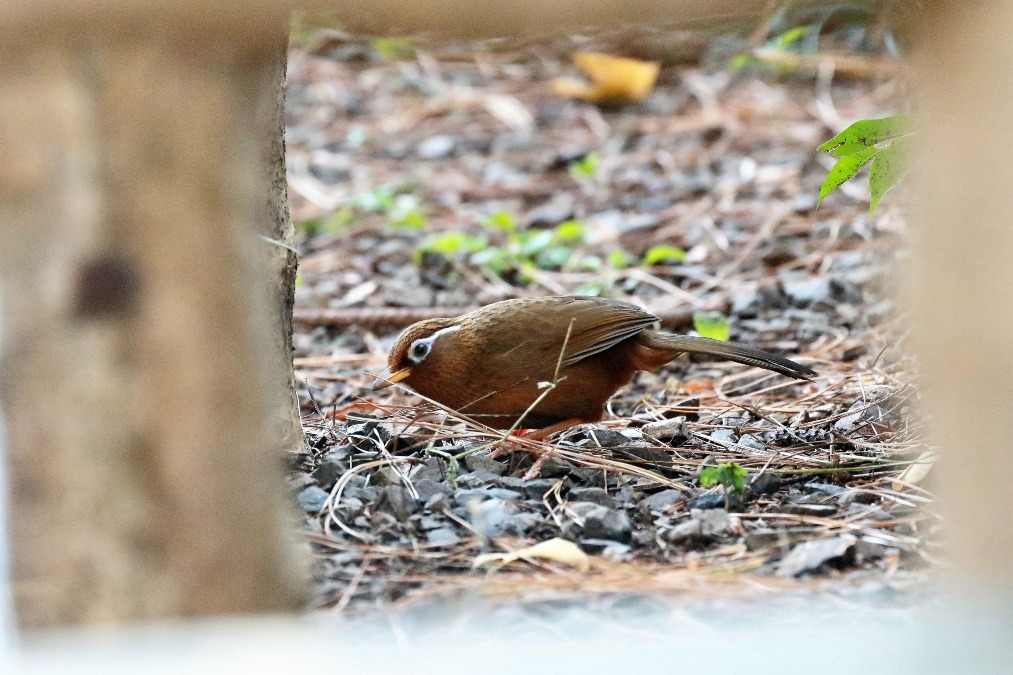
x=419 y=350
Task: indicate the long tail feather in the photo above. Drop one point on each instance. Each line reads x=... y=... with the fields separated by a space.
x=732 y=351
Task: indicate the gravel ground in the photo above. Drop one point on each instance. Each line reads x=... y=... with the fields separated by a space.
x=387 y=155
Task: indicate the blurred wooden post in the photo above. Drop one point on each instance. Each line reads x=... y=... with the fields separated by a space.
x=963 y=281
x=144 y=364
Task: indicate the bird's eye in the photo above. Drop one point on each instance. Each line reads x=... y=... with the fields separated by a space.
x=419 y=350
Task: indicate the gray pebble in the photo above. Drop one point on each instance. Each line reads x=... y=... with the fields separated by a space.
x=443 y=536
x=819 y=510
x=427 y=488
x=660 y=501
x=436 y=147
x=312 y=499
x=595 y=495
x=398 y=501
x=331 y=467
x=601 y=522
x=483 y=463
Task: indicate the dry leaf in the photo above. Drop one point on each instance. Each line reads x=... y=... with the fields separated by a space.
x=555 y=549
x=916 y=471
x=613 y=79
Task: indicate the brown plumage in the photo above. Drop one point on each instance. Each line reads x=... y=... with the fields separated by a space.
x=488 y=364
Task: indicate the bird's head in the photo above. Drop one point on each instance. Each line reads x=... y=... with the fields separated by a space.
x=417 y=351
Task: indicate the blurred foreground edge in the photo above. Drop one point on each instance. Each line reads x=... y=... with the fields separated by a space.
x=143 y=353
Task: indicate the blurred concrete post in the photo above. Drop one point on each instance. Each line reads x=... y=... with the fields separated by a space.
x=143 y=371
x=963 y=280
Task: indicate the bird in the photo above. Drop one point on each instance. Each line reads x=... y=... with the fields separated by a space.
x=546 y=363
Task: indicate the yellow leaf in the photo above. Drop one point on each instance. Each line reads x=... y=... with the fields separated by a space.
x=555 y=549
x=613 y=79
x=916 y=471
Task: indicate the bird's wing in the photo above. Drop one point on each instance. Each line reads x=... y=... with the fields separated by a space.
x=598 y=324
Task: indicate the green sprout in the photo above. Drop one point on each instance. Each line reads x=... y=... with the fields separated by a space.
x=730 y=475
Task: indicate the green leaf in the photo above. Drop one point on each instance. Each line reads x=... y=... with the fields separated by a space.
x=553 y=257
x=591 y=288
x=888 y=168
x=589 y=263
x=731 y=475
x=495 y=258
x=585 y=167
x=712 y=325
x=871 y=132
x=742 y=61
x=450 y=244
x=570 y=232
x=619 y=259
x=664 y=253
x=501 y=220
x=394 y=48
x=533 y=241
x=790 y=37
x=845 y=169
x=413 y=219
x=380 y=199
x=845 y=149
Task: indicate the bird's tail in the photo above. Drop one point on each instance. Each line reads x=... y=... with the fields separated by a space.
x=660 y=343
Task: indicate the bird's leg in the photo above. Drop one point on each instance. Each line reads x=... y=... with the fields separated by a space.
x=536 y=453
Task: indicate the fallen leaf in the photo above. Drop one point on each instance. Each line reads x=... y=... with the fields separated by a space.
x=613 y=79
x=916 y=471
x=555 y=549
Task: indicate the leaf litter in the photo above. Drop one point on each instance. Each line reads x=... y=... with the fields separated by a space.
x=698 y=200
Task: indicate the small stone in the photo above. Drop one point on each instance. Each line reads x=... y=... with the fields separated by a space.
x=331 y=467
x=765 y=483
x=714 y=522
x=702 y=524
x=651 y=455
x=810 y=555
x=397 y=500
x=520 y=523
x=443 y=536
x=595 y=495
x=601 y=522
x=490 y=517
x=683 y=531
x=607 y=438
x=606 y=547
x=550 y=214
x=824 y=488
x=723 y=435
x=366 y=494
x=483 y=463
x=462 y=497
x=807 y=291
x=432 y=522
x=385 y=476
x=750 y=441
x=477 y=478
x=427 y=488
x=556 y=466
x=313 y=499
x=660 y=501
x=436 y=147
x=534 y=489
x=437 y=502
x=715 y=500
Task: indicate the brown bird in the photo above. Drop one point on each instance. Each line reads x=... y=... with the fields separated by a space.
x=493 y=364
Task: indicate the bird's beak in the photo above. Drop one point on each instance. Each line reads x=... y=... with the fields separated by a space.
x=388 y=378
